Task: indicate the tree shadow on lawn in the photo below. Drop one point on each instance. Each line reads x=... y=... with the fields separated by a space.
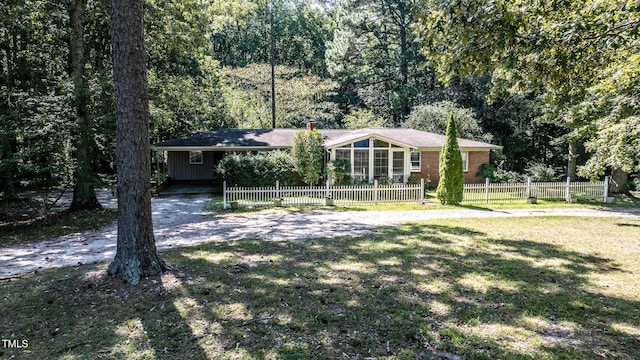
x=417 y=291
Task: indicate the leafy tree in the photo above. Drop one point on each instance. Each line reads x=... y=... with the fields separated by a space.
x=184 y=80
x=301 y=31
x=136 y=253
x=559 y=50
x=34 y=116
x=432 y=118
x=617 y=144
x=300 y=97
x=374 y=57
x=451 y=183
x=85 y=176
x=364 y=118
x=308 y=154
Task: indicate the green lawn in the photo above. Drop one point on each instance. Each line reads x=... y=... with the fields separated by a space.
x=518 y=288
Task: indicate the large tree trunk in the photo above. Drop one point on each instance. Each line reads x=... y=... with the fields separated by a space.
x=572 y=163
x=619 y=180
x=136 y=254
x=84 y=194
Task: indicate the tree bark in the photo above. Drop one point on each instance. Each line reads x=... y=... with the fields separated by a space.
x=619 y=180
x=136 y=254
x=85 y=177
x=272 y=40
x=572 y=163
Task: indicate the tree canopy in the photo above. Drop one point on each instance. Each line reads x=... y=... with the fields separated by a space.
x=564 y=51
x=553 y=82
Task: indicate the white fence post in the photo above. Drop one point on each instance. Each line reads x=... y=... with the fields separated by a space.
x=606 y=188
x=326 y=194
x=421 y=190
x=375 y=191
x=486 y=190
x=567 y=194
x=224 y=194
x=528 y=189
x=277 y=189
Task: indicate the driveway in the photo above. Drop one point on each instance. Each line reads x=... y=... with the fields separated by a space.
x=182 y=221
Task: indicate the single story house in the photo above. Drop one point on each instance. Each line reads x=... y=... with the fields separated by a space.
x=373 y=153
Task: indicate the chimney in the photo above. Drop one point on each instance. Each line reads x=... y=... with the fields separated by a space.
x=312 y=125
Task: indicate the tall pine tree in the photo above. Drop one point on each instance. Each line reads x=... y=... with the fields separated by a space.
x=136 y=254
x=451 y=184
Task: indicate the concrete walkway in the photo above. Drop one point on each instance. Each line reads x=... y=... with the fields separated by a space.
x=182 y=220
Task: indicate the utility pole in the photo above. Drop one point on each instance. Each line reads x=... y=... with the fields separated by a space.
x=273 y=67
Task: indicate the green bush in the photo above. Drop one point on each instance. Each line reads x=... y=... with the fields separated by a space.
x=413 y=180
x=339 y=172
x=499 y=175
x=258 y=170
x=307 y=151
x=539 y=172
x=451 y=184
x=385 y=181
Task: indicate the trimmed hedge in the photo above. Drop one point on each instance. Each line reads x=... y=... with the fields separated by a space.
x=258 y=170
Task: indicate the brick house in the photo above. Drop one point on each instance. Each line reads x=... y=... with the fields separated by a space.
x=372 y=153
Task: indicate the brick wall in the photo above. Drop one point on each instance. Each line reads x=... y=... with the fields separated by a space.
x=476 y=159
x=429 y=167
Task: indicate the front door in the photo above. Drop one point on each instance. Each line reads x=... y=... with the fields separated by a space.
x=398 y=167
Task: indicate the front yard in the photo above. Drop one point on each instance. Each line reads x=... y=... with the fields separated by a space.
x=450 y=289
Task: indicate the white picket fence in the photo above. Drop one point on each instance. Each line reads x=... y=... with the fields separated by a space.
x=237 y=196
x=541 y=190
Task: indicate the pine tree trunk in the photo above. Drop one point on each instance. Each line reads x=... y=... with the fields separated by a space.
x=136 y=254
x=84 y=194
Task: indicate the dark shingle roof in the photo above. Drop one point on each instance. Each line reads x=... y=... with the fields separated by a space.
x=283 y=138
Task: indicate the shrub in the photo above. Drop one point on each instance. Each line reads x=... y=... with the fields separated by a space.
x=540 y=172
x=385 y=181
x=307 y=152
x=451 y=184
x=258 y=170
x=413 y=180
x=499 y=175
x=339 y=172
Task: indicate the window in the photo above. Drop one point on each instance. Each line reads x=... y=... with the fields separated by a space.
x=361 y=164
x=380 y=144
x=195 y=157
x=465 y=161
x=343 y=154
x=398 y=166
x=415 y=161
x=361 y=144
x=380 y=163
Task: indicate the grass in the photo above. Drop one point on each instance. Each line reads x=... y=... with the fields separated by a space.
x=513 y=288
x=56 y=224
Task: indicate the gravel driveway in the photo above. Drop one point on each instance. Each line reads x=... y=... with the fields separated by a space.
x=182 y=220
